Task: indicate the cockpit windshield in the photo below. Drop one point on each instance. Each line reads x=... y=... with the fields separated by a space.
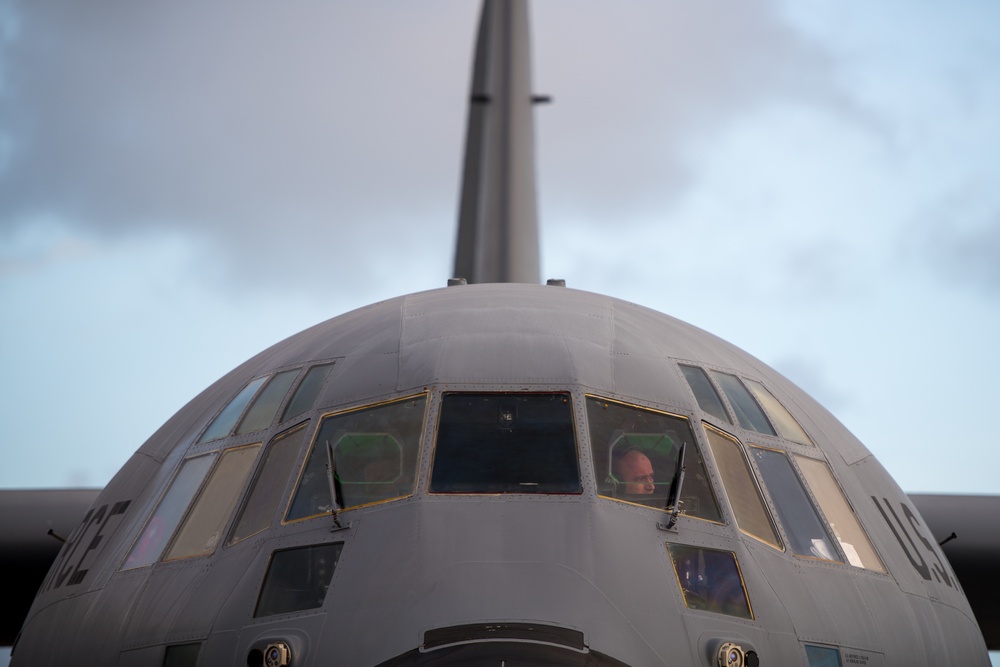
x=636 y=453
x=373 y=455
x=506 y=443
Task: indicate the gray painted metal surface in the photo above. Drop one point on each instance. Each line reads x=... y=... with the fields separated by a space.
x=583 y=562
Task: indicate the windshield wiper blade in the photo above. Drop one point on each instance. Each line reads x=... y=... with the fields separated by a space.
x=335 y=491
x=673 y=500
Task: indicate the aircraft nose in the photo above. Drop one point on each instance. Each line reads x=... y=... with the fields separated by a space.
x=497 y=652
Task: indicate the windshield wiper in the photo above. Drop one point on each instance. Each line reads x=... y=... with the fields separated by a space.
x=673 y=500
x=336 y=493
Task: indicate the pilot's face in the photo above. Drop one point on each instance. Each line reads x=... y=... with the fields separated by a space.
x=637 y=473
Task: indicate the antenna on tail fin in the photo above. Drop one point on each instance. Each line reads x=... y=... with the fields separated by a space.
x=498 y=212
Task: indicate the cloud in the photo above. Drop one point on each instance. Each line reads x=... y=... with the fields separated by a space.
x=274 y=132
x=813 y=378
x=969 y=256
x=301 y=140
x=957 y=238
x=823 y=270
x=638 y=84
x=37 y=247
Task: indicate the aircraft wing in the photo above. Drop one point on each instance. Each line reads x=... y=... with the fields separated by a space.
x=974 y=553
x=26 y=548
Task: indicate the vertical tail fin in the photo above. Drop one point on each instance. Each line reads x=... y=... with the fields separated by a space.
x=497 y=225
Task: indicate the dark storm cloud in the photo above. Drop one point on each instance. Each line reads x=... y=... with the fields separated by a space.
x=314 y=132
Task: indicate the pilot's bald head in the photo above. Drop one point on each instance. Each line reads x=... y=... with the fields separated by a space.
x=635 y=471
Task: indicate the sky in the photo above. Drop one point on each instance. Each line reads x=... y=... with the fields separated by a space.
x=185 y=184
x=182 y=186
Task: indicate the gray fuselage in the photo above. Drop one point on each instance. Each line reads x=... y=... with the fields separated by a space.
x=583 y=573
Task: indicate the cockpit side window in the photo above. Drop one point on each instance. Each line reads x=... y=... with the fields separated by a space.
x=708 y=399
x=265 y=405
x=846 y=528
x=161 y=525
x=806 y=532
x=226 y=420
x=506 y=443
x=262 y=500
x=744 y=496
x=748 y=412
x=374 y=453
x=202 y=530
x=635 y=452
x=781 y=419
x=307 y=391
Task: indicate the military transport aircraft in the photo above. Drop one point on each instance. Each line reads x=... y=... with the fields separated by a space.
x=502 y=472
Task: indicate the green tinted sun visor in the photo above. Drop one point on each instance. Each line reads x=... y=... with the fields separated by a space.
x=368 y=458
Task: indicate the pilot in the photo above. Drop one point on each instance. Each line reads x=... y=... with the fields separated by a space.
x=635 y=472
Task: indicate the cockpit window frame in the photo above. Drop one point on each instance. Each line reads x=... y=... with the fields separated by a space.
x=250 y=404
x=217 y=481
x=721 y=557
x=266 y=404
x=307 y=389
x=776 y=505
x=781 y=425
x=754 y=478
x=707 y=407
x=267 y=483
x=248 y=391
x=733 y=389
x=782 y=420
x=302 y=464
x=179 y=497
x=833 y=499
x=700 y=447
x=575 y=429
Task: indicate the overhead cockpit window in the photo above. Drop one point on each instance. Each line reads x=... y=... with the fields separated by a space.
x=307 y=391
x=506 y=443
x=783 y=422
x=636 y=452
x=710 y=580
x=262 y=411
x=201 y=531
x=748 y=412
x=261 y=502
x=161 y=525
x=373 y=452
x=846 y=529
x=297 y=579
x=807 y=535
x=224 y=423
x=741 y=487
x=708 y=399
